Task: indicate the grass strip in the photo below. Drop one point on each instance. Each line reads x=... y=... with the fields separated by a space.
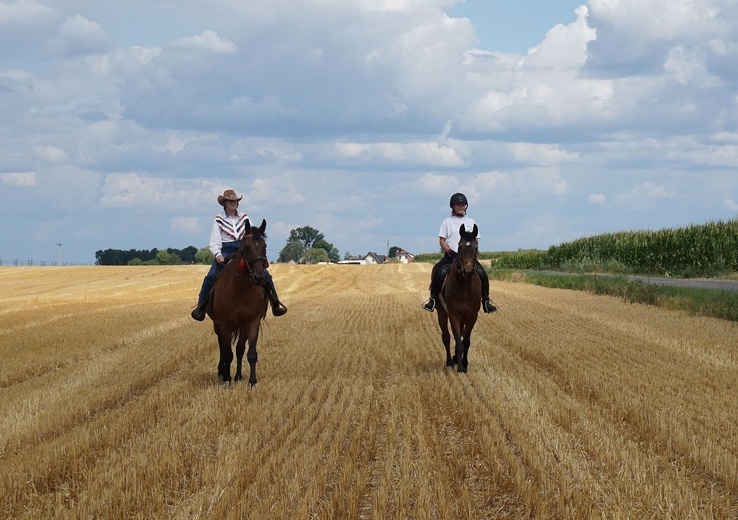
x=695 y=301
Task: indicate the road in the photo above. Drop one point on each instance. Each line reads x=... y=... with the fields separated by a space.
x=712 y=283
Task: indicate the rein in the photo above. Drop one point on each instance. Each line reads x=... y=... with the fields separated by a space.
x=457 y=261
x=244 y=263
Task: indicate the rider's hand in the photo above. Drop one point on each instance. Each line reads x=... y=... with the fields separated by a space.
x=219 y=258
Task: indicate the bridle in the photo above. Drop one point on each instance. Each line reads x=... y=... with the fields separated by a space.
x=246 y=264
x=457 y=261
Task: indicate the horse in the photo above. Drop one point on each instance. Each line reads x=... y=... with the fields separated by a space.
x=460 y=300
x=239 y=303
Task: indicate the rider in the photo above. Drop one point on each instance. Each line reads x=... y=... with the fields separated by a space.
x=228 y=229
x=449 y=237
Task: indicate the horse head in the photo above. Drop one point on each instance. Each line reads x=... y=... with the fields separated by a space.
x=253 y=252
x=467 y=250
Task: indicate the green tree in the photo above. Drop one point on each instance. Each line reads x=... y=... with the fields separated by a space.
x=204 y=256
x=333 y=254
x=167 y=258
x=302 y=240
x=307 y=235
x=292 y=252
x=393 y=251
x=316 y=255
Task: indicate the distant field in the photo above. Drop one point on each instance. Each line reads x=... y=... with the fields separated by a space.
x=575 y=405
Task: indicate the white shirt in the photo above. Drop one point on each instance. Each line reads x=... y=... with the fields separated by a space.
x=451 y=230
x=227 y=229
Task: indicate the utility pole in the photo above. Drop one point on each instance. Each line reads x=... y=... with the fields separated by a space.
x=59 y=252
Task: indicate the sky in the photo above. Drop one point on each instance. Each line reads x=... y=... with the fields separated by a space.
x=121 y=122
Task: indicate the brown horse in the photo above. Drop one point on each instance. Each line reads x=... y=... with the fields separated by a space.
x=460 y=298
x=239 y=303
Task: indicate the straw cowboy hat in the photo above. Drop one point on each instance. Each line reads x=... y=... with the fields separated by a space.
x=228 y=195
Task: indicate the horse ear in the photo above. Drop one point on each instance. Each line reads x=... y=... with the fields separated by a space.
x=475 y=231
x=462 y=231
x=263 y=226
x=247 y=226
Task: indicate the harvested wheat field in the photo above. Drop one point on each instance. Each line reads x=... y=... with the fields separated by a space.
x=575 y=406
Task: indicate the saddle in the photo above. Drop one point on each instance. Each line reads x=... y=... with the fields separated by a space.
x=443 y=273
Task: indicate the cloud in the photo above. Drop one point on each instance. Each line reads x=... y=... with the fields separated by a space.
x=50 y=154
x=645 y=196
x=25 y=13
x=426 y=153
x=78 y=35
x=19 y=179
x=186 y=225
x=207 y=41
x=597 y=198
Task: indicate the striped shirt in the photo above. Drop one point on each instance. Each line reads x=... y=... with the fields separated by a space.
x=227 y=229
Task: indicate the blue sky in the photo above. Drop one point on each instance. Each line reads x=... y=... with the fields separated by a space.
x=122 y=123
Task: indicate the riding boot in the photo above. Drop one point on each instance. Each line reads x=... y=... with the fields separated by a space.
x=488 y=306
x=204 y=297
x=278 y=308
x=430 y=304
x=199 y=312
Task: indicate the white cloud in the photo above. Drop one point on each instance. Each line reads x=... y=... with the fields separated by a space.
x=186 y=225
x=426 y=153
x=125 y=190
x=597 y=198
x=26 y=13
x=731 y=205
x=50 y=154
x=207 y=41
x=436 y=184
x=78 y=35
x=645 y=196
x=19 y=179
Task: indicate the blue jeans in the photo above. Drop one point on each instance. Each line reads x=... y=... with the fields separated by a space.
x=215 y=268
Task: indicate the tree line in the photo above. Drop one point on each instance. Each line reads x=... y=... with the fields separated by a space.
x=169 y=256
x=305 y=245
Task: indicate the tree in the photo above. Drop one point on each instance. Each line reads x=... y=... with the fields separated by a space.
x=166 y=258
x=204 y=256
x=306 y=235
x=292 y=252
x=333 y=254
x=302 y=240
x=393 y=251
x=316 y=255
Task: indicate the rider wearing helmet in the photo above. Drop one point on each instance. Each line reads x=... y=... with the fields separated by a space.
x=448 y=237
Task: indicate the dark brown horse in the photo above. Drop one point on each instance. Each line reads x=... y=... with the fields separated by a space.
x=460 y=298
x=239 y=303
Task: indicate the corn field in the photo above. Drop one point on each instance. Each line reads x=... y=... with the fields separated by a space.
x=697 y=250
x=575 y=405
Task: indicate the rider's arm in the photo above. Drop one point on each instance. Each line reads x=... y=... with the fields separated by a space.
x=444 y=246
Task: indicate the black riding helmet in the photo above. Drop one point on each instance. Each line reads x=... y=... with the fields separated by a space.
x=457 y=198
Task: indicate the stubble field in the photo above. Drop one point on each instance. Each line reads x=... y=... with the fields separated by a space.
x=575 y=406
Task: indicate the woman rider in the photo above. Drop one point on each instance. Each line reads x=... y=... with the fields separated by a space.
x=227 y=231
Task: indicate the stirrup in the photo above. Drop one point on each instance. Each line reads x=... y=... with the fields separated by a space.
x=278 y=309
x=429 y=305
x=198 y=313
x=488 y=306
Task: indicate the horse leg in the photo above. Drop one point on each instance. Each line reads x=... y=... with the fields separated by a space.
x=468 y=327
x=226 y=356
x=458 y=344
x=240 y=349
x=445 y=336
x=251 y=355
